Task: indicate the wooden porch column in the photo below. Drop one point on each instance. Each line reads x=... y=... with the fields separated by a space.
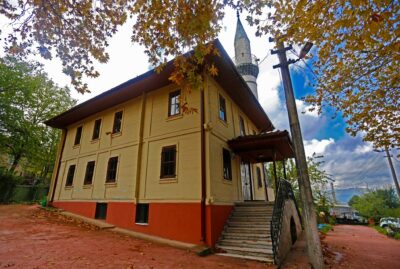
x=275 y=175
x=284 y=169
x=265 y=182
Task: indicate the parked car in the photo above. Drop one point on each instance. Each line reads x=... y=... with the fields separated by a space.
x=390 y=222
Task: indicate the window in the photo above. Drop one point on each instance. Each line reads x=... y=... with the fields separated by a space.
x=89 y=173
x=222 y=108
x=174 y=107
x=70 y=175
x=78 y=135
x=96 y=129
x=168 y=162
x=259 y=179
x=241 y=125
x=117 y=122
x=112 y=170
x=101 y=211
x=142 y=213
x=227 y=164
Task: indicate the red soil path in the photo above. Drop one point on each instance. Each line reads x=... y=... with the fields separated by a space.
x=35 y=238
x=363 y=247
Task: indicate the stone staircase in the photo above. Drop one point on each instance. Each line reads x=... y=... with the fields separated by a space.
x=247 y=233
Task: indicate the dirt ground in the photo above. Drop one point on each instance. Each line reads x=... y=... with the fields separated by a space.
x=351 y=246
x=34 y=238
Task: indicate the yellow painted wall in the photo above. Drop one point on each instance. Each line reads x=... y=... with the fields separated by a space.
x=158 y=130
x=140 y=156
x=218 y=133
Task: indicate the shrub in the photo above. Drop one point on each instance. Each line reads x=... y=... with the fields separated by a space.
x=8 y=181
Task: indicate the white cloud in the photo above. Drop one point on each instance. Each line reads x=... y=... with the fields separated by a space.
x=362 y=149
x=302 y=108
x=317 y=146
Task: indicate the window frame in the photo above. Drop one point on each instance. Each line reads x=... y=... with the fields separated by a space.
x=142 y=210
x=226 y=160
x=172 y=95
x=163 y=162
x=78 y=138
x=114 y=131
x=222 y=104
x=115 y=171
x=69 y=180
x=87 y=173
x=94 y=129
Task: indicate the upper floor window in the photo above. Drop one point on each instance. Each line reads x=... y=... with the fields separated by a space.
x=168 y=162
x=117 y=122
x=112 y=170
x=241 y=125
x=96 y=129
x=78 y=135
x=259 y=179
x=70 y=175
x=227 y=164
x=174 y=107
x=89 y=173
x=222 y=108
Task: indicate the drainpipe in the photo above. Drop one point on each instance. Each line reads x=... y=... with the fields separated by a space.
x=56 y=169
x=203 y=170
x=140 y=148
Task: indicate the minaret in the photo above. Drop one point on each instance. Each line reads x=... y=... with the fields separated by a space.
x=245 y=62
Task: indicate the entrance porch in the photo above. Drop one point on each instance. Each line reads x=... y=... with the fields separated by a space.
x=262 y=230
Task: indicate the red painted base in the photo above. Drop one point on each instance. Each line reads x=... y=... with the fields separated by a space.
x=176 y=221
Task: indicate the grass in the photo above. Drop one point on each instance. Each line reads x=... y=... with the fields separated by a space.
x=395 y=235
x=326 y=228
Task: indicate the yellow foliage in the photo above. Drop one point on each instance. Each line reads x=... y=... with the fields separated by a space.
x=357 y=45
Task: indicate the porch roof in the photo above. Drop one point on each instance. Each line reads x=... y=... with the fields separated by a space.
x=264 y=147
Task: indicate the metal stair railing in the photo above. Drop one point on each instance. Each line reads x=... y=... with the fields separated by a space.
x=284 y=192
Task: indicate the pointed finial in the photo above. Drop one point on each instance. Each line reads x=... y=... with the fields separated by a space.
x=237 y=13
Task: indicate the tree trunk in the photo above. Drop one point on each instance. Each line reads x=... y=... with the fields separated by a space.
x=14 y=165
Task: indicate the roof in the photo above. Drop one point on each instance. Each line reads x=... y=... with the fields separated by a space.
x=228 y=77
x=264 y=147
x=240 y=32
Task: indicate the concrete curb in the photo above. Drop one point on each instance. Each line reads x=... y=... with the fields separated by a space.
x=95 y=222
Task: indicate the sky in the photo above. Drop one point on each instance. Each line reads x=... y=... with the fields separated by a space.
x=349 y=161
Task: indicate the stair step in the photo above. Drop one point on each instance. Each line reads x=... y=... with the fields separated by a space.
x=261 y=259
x=254 y=208
x=245 y=224
x=247 y=251
x=244 y=242
x=254 y=203
x=249 y=236
x=250 y=219
x=247 y=229
x=264 y=222
x=265 y=212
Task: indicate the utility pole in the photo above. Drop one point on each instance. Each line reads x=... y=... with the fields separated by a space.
x=392 y=170
x=309 y=216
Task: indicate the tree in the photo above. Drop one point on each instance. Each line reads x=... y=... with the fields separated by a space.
x=318 y=178
x=377 y=204
x=28 y=98
x=355 y=68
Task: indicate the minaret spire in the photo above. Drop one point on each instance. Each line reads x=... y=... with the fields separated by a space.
x=245 y=62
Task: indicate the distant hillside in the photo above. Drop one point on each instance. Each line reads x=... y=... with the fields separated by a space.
x=344 y=195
